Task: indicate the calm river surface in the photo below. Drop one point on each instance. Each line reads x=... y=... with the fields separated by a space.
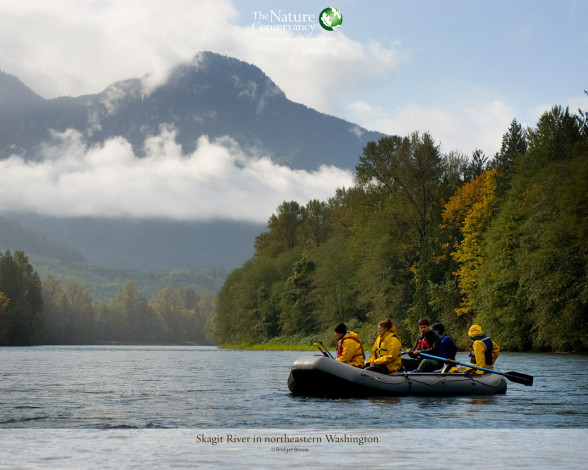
x=203 y=407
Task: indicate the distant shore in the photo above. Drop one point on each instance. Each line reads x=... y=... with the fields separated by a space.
x=269 y=347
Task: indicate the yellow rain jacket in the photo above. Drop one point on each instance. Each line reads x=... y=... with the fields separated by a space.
x=484 y=355
x=350 y=350
x=386 y=350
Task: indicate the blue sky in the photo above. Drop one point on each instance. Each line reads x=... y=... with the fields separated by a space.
x=458 y=69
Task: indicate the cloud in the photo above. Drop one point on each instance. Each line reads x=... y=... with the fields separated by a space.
x=317 y=70
x=68 y=47
x=469 y=125
x=216 y=181
x=574 y=103
x=479 y=125
x=71 y=48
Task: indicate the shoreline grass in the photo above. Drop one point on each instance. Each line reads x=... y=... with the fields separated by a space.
x=268 y=347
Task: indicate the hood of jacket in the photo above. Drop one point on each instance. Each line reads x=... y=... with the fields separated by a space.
x=475 y=330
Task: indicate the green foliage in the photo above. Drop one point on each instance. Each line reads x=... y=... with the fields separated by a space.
x=297 y=306
x=21 y=301
x=421 y=234
x=317 y=223
x=502 y=243
x=248 y=305
x=383 y=254
x=556 y=135
x=284 y=234
x=534 y=286
x=68 y=312
x=514 y=144
x=410 y=166
x=70 y=316
x=104 y=283
x=477 y=165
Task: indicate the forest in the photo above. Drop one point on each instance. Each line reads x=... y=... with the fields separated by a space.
x=497 y=241
x=35 y=310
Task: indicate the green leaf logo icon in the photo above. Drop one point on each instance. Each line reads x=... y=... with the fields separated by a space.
x=330 y=19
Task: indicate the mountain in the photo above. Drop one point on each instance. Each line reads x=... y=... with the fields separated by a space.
x=147 y=244
x=14 y=236
x=211 y=95
x=51 y=257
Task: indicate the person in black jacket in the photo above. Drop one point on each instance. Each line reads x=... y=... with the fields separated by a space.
x=428 y=342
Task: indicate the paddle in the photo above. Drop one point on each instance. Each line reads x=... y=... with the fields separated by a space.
x=324 y=350
x=512 y=376
x=321 y=349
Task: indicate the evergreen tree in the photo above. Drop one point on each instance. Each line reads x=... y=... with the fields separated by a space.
x=422 y=234
x=555 y=136
x=21 y=319
x=477 y=165
x=513 y=145
x=297 y=303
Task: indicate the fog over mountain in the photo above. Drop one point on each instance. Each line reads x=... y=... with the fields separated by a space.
x=211 y=148
x=213 y=95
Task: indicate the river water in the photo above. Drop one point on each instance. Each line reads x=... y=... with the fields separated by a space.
x=203 y=407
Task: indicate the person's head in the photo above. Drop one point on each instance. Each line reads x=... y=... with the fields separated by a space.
x=384 y=326
x=475 y=330
x=438 y=328
x=340 y=330
x=424 y=326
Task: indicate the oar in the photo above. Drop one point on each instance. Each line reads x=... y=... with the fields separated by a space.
x=513 y=376
x=325 y=351
x=321 y=349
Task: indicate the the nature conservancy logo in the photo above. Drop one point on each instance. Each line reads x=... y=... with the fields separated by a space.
x=330 y=19
x=279 y=20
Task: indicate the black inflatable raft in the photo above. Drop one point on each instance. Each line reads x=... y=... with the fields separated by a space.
x=320 y=376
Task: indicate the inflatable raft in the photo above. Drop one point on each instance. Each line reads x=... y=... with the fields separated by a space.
x=320 y=376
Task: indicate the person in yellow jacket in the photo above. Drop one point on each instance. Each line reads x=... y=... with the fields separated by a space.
x=385 y=355
x=484 y=351
x=349 y=347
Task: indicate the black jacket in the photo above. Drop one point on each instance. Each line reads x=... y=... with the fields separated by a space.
x=429 y=343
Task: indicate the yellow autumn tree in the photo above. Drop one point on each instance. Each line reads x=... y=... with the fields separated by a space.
x=469 y=213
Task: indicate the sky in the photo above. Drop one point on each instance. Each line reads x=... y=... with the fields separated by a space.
x=461 y=70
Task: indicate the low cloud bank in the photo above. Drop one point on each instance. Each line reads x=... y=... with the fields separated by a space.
x=219 y=180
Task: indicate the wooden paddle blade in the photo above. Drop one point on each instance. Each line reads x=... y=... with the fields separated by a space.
x=519 y=378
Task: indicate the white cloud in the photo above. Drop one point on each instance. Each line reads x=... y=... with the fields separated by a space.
x=476 y=123
x=488 y=121
x=316 y=71
x=68 y=47
x=574 y=103
x=72 y=47
x=217 y=181
x=578 y=102
x=479 y=125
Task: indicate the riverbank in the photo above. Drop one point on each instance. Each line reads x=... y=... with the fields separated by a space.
x=269 y=347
